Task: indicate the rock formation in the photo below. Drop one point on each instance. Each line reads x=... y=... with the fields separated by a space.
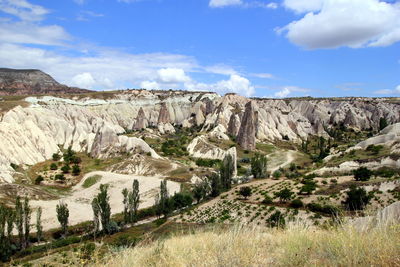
x=163 y=116
x=247 y=133
x=234 y=125
x=141 y=121
x=29 y=82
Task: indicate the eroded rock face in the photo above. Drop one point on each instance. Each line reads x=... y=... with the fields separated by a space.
x=234 y=125
x=28 y=82
x=163 y=116
x=141 y=121
x=32 y=134
x=247 y=133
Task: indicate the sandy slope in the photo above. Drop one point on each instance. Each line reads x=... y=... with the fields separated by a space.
x=79 y=201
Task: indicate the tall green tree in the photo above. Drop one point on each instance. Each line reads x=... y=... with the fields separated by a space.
x=39 y=227
x=134 y=200
x=7 y=216
x=62 y=216
x=125 y=202
x=102 y=205
x=259 y=166
x=226 y=172
x=215 y=183
x=19 y=220
x=27 y=221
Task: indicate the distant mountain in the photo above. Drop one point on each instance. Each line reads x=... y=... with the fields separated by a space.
x=32 y=82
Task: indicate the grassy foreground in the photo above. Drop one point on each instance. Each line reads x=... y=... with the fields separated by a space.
x=295 y=246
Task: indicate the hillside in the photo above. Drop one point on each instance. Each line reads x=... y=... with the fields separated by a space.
x=31 y=82
x=226 y=160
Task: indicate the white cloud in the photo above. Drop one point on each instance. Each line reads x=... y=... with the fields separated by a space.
x=150 y=85
x=172 y=75
x=23 y=10
x=220 y=69
x=336 y=23
x=28 y=33
x=263 y=75
x=235 y=84
x=283 y=93
x=287 y=90
x=86 y=14
x=388 y=91
x=83 y=80
x=109 y=69
x=224 y=3
x=301 y=6
x=272 y=5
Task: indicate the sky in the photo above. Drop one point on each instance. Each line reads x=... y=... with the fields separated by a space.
x=258 y=48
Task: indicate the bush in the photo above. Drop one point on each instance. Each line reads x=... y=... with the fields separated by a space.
x=56 y=157
x=327 y=209
x=76 y=170
x=284 y=195
x=59 y=177
x=374 y=149
x=207 y=162
x=267 y=200
x=362 y=174
x=259 y=166
x=276 y=220
x=65 y=169
x=53 y=166
x=245 y=191
x=297 y=203
x=39 y=179
x=277 y=174
x=357 y=198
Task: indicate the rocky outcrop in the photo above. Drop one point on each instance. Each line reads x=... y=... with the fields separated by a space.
x=163 y=116
x=141 y=121
x=234 y=125
x=246 y=137
x=30 y=82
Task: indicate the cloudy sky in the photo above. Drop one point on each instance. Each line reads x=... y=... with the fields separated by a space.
x=262 y=48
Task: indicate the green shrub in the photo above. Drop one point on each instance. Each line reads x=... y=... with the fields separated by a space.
x=91 y=181
x=53 y=166
x=357 y=198
x=296 y=203
x=362 y=174
x=267 y=200
x=39 y=179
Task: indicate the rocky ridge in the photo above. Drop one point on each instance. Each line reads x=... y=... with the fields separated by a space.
x=29 y=82
x=94 y=125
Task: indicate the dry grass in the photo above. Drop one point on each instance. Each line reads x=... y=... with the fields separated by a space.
x=295 y=246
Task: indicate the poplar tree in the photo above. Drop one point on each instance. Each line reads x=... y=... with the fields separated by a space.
x=62 y=216
x=39 y=227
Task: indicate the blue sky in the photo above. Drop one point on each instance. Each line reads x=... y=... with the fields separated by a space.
x=251 y=47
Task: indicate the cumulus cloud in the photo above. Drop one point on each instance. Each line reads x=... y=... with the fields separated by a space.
x=235 y=84
x=287 y=90
x=337 y=23
x=150 y=85
x=302 y=6
x=172 y=75
x=109 y=69
x=84 y=80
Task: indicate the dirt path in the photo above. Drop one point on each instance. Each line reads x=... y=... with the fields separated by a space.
x=79 y=201
x=288 y=156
